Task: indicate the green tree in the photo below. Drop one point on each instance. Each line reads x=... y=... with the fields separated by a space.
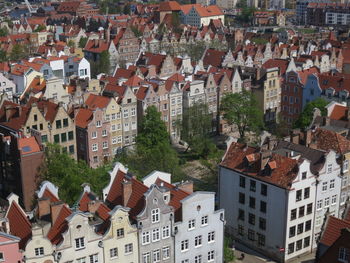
x=71 y=43
x=68 y=174
x=241 y=110
x=82 y=42
x=4 y=32
x=196 y=50
x=3 y=56
x=126 y=9
x=136 y=32
x=104 y=63
x=175 y=21
x=153 y=149
x=40 y=28
x=195 y=128
x=18 y=52
x=305 y=117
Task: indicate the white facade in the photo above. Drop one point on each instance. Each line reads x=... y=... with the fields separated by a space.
x=200 y=234
x=7 y=86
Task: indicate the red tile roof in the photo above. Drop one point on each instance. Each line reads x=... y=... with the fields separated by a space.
x=169 y=6
x=282 y=64
x=339 y=112
x=213 y=57
x=329 y=140
x=19 y=224
x=212 y=10
x=97 y=101
x=59 y=226
x=134 y=81
x=282 y=176
x=103 y=211
x=28 y=145
x=48 y=194
x=96 y=46
x=83 y=118
x=333 y=230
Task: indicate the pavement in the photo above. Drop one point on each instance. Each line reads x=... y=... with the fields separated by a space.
x=251 y=256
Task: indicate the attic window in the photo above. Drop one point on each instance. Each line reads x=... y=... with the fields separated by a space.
x=198 y=208
x=155 y=201
x=78 y=226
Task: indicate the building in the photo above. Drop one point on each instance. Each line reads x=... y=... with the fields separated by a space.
x=7 y=86
x=328 y=14
x=9 y=248
x=255 y=185
x=198 y=15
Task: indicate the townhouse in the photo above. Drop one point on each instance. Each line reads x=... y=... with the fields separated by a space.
x=7 y=86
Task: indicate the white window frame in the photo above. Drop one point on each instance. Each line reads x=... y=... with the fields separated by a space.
x=155 y=215
x=113 y=252
x=79 y=243
x=94 y=147
x=184 y=245
x=191 y=224
x=198 y=241
x=204 y=220
x=165 y=232
x=155 y=235
x=146 y=238
x=166 y=253
x=211 y=236
x=39 y=251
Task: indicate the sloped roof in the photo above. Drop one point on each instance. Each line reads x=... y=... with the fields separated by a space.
x=330 y=140
x=83 y=118
x=339 y=112
x=282 y=64
x=333 y=230
x=169 y=6
x=48 y=194
x=97 y=101
x=213 y=57
x=28 y=145
x=59 y=226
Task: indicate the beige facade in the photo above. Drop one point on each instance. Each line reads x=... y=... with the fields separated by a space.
x=113 y=115
x=120 y=242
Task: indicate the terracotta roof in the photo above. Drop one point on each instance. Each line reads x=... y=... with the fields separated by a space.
x=83 y=118
x=48 y=194
x=332 y=253
x=282 y=64
x=134 y=81
x=213 y=57
x=169 y=6
x=17 y=115
x=102 y=211
x=304 y=74
x=68 y=6
x=212 y=10
x=282 y=176
x=123 y=73
x=46 y=106
x=19 y=224
x=97 y=101
x=333 y=229
x=28 y=145
x=339 y=112
x=141 y=93
x=329 y=140
x=97 y=46
x=59 y=226
x=84 y=201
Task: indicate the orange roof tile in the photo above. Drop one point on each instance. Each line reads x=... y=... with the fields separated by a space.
x=28 y=145
x=59 y=226
x=339 y=112
x=97 y=101
x=83 y=118
x=333 y=230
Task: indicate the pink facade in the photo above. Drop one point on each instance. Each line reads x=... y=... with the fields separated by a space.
x=9 y=250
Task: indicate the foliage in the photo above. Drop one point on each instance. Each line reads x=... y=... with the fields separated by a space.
x=259 y=41
x=195 y=50
x=18 y=52
x=305 y=117
x=126 y=9
x=307 y=30
x=246 y=15
x=136 y=31
x=4 y=32
x=82 y=42
x=195 y=127
x=71 y=43
x=175 y=21
x=40 y=28
x=153 y=149
x=68 y=174
x=3 y=56
x=241 y=109
x=102 y=65
x=228 y=252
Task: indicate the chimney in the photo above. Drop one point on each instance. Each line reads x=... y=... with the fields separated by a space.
x=95 y=43
x=265 y=156
x=8 y=110
x=295 y=137
x=308 y=137
x=186 y=186
x=55 y=210
x=43 y=207
x=93 y=206
x=326 y=121
x=127 y=190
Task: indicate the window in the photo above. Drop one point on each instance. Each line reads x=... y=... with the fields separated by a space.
x=65 y=122
x=343 y=254
x=70 y=136
x=191 y=224
x=251 y=219
x=292 y=231
x=146 y=238
x=156 y=255
x=204 y=220
x=241 y=198
x=185 y=261
x=104 y=133
x=44 y=138
x=211 y=236
x=331 y=184
x=39 y=251
x=241 y=230
x=155 y=235
x=113 y=252
x=166 y=232
x=56 y=138
x=290 y=248
x=306 y=242
x=94 y=147
x=155 y=215
x=346 y=166
x=298 y=195
x=133 y=111
x=93 y=258
x=242 y=181
x=81 y=260
x=252 y=185
x=300 y=228
x=98 y=124
x=324 y=186
x=125 y=113
x=308 y=225
x=93 y=135
x=262 y=223
x=251 y=234
x=241 y=214
x=301 y=211
x=263 y=189
x=263 y=206
x=184 y=245
x=293 y=214
x=319 y=204
x=334 y=199
x=79 y=243
x=309 y=209
x=71 y=148
x=146 y=257
x=63 y=137
x=166 y=252
x=104 y=145
x=329 y=168
x=35 y=117
x=211 y=256
x=326 y=202
x=198 y=241
x=307 y=193
x=58 y=124
x=198 y=259
x=41 y=126
x=299 y=244
x=120 y=232
x=251 y=202
x=261 y=239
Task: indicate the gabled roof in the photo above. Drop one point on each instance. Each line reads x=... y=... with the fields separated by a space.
x=134 y=81
x=83 y=118
x=213 y=57
x=28 y=145
x=59 y=226
x=282 y=64
x=169 y=6
x=329 y=140
x=97 y=101
x=48 y=194
x=333 y=229
x=339 y=112
x=19 y=224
